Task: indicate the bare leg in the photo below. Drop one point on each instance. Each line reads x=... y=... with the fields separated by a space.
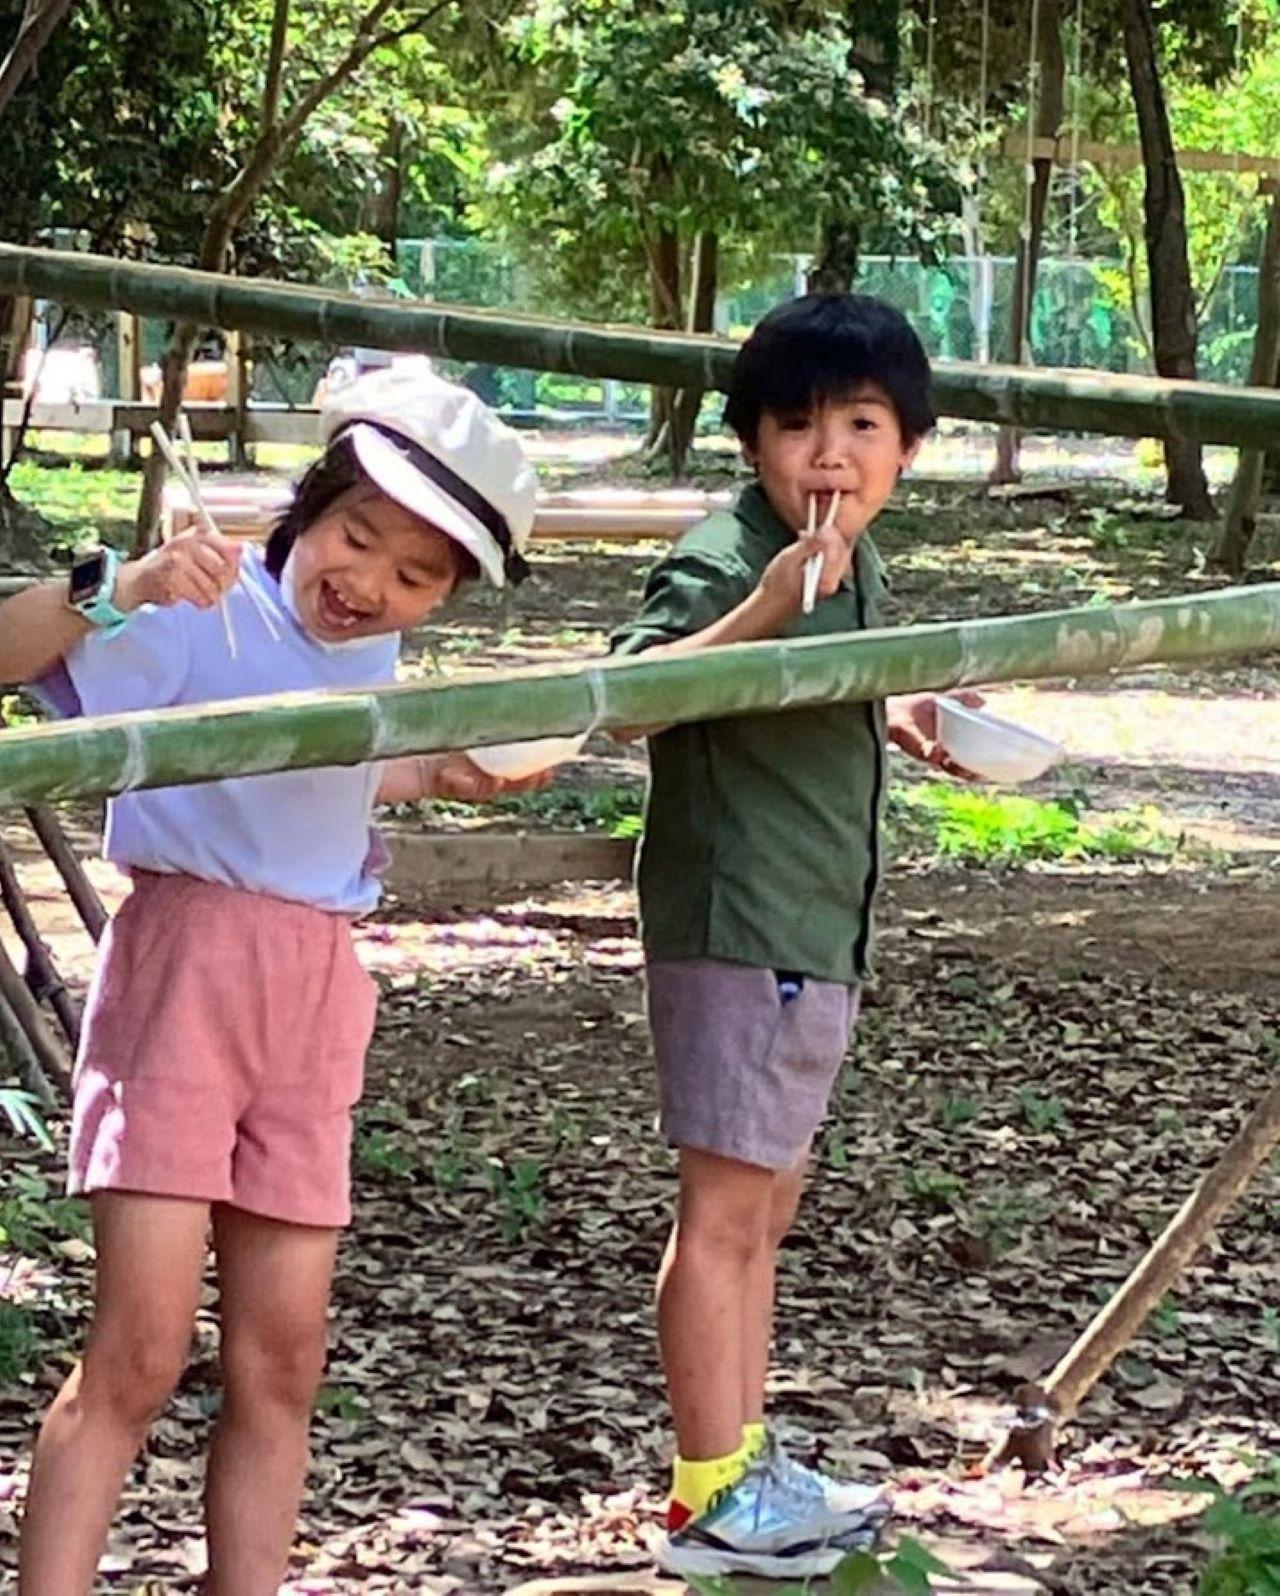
x=151 y=1253
x=758 y=1296
x=721 y=1226
x=275 y=1281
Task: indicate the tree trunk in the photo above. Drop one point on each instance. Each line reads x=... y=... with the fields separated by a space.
x=1232 y=546
x=385 y=218
x=665 y=311
x=1051 y=72
x=835 y=268
x=702 y=317
x=215 y=248
x=22 y=535
x=1173 y=306
x=16 y=313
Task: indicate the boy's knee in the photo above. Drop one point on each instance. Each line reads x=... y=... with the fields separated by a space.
x=726 y=1235
x=783 y=1206
x=275 y=1370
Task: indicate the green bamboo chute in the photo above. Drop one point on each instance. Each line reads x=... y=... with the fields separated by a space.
x=112 y=754
x=1065 y=400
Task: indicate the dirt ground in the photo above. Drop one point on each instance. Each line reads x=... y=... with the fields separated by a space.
x=1049 y=1058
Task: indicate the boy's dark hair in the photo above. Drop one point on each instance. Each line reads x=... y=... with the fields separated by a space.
x=822 y=346
x=326 y=480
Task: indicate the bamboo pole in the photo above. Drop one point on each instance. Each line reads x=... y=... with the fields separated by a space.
x=249 y=736
x=80 y=889
x=1044 y=1408
x=1060 y=399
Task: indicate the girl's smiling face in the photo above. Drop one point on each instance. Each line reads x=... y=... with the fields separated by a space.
x=852 y=445
x=367 y=566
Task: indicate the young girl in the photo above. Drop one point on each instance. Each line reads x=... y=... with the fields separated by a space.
x=226 y=1028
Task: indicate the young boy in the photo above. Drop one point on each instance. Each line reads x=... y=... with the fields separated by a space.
x=760 y=861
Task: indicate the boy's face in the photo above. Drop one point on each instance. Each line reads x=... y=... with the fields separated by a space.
x=852 y=446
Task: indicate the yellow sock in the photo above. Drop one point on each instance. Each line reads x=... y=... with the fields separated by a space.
x=754 y=1437
x=695 y=1483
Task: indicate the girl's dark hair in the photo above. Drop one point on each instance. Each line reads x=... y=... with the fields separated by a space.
x=822 y=346
x=336 y=471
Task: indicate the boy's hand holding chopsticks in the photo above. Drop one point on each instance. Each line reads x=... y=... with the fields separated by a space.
x=811 y=568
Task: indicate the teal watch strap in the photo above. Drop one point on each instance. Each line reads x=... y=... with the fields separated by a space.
x=100 y=609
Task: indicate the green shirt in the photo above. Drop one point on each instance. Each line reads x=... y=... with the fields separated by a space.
x=761 y=843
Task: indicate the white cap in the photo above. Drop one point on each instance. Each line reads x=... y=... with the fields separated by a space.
x=439 y=451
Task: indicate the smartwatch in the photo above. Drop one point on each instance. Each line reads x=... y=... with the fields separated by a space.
x=91 y=590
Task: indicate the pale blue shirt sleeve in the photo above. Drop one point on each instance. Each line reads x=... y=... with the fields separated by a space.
x=142 y=666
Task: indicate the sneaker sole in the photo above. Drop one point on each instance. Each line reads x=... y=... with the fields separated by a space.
x=706 y=1561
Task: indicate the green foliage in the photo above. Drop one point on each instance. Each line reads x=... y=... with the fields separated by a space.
x=1223 y=208
x=1041 y=1113
x=645 y=125
x=22 y=1109
x=908 y=1567
x=1002 y=1217
x=969 y=824
x=956 y=1110
x=934 y=1189
x=380 y=1154
x=341 y=1402
x=518 y=1189
x=82 y=504
x=34 y=1218
x=19 y=1343
x=615 y=810
x=121 y=102
x=1249 y=1561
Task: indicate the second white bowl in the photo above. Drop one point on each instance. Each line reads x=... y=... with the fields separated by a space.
x=999 y=750
x=514 y=761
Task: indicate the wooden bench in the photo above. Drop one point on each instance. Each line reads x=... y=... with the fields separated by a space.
x=249 y=509
x=128 y=419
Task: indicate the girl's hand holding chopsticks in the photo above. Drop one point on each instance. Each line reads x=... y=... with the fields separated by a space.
x=197 y=568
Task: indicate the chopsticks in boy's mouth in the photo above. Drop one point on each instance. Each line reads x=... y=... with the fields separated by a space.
x=813 y=565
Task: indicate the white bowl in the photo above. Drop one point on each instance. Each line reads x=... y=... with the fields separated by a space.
x=997 y=749
x=514 y=761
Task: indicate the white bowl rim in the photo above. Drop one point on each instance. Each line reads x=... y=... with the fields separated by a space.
x=983 y=720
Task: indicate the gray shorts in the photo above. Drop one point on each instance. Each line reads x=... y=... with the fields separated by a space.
x=745 y=1068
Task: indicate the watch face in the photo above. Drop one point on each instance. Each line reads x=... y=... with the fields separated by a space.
x=87 y=577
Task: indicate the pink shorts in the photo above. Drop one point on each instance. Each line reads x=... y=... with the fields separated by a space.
x=223 y=1051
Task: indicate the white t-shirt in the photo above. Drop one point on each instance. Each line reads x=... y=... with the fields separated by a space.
x=305 y=835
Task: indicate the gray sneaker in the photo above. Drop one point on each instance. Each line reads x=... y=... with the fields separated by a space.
x=860 y=1506
x=770 y=1524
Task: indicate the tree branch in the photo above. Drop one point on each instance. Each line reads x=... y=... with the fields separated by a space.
x=276 y=139
x=365 y=43
x=275 y=65
x=39 y=19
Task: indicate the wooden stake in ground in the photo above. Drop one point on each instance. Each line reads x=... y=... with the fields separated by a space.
x=51 y=1061
x=41 y=973
x=15 y=1043
x=1043 y=1408
x=89 y=906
